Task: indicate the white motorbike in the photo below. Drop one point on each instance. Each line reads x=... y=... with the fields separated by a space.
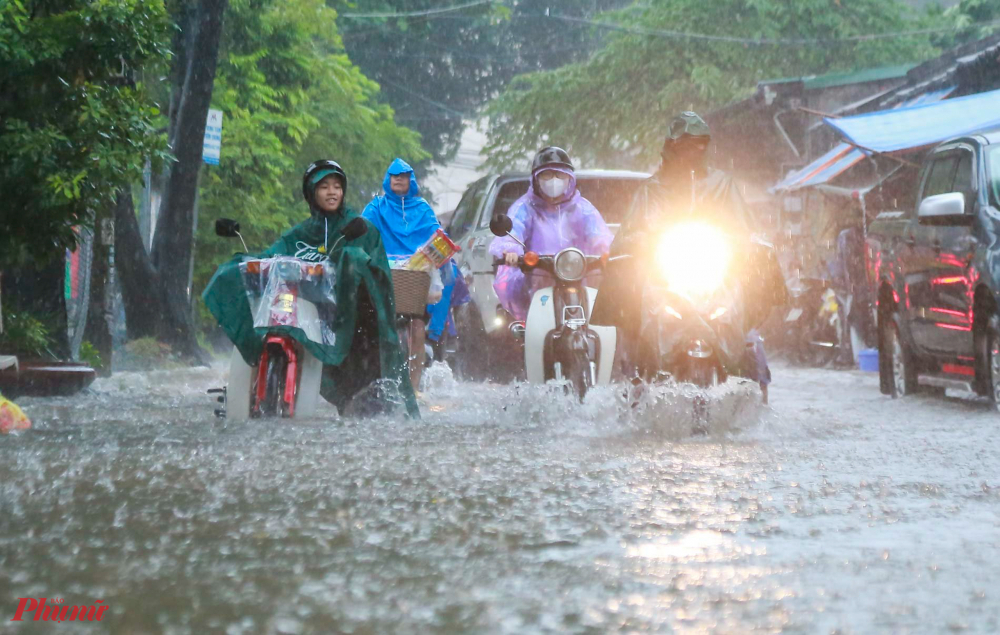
x=286 y=296
x=559 y=341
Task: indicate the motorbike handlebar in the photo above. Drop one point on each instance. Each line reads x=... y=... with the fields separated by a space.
x=548 y=261
x=520 y=259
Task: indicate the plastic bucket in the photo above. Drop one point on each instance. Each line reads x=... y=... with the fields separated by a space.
x=868 y=360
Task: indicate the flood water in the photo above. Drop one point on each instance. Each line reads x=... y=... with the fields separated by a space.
x=507 y=509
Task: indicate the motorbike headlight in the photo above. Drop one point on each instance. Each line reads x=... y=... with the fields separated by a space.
x=693 y=258
x=570 y=264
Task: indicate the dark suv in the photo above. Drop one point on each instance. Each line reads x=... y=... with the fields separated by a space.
x=937 y=273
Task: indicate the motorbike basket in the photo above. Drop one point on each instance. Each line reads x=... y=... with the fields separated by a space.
x=410 y=288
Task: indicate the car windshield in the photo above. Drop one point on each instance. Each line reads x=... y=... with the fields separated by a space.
x=611 y=196
x=994 y=167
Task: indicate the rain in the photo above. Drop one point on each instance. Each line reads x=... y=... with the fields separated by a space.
x=500 y=316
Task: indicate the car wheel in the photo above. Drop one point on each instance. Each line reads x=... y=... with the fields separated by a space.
x=472 y=352
x=898 y=370
x=992 y=351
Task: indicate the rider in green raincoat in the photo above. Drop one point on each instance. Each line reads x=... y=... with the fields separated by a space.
x=366 y=347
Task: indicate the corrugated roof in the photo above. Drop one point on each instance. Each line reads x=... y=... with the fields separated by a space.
x=845 y=78
x=859 y=77
x=843 y=156
x=922 y=124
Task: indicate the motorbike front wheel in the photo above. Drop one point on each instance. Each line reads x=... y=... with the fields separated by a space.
x=274 y=393
x=703 y=373
x=579 y=374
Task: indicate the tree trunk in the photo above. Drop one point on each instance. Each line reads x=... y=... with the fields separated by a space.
x=173 y=243
x=144 y=305
x=98 y=329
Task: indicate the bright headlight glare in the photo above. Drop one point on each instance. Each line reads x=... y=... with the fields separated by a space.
x=570 y=264
x=693 y=258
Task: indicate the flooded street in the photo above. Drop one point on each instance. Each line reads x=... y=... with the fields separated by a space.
x=507 y=510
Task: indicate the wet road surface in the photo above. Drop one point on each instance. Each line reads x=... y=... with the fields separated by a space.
x=509 y=510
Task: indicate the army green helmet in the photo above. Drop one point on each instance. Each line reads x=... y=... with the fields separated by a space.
x=688 y=123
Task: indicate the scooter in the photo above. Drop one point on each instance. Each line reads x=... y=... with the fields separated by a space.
x=690 y=310
x=559 y=341
x=283 y=293
x=814 y=329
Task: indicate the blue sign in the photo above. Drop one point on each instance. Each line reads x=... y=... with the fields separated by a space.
x=212 y=148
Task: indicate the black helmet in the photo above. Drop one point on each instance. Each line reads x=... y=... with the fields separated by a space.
x=551 y=157
x=319 y=170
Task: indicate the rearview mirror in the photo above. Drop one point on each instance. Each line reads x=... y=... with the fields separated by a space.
x=501 y=225
x=943 y=209
x=355 y=229
x=227 y=228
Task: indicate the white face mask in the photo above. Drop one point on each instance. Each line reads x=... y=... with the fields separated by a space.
x=553 y=188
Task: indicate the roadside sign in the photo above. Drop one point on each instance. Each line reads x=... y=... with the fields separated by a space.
x=212 y=148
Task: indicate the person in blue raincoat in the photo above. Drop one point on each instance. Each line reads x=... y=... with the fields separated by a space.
x=406 y=221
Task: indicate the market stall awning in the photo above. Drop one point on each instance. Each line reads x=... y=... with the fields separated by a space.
x=834 y=162
x=844 y=155
x=920 y=125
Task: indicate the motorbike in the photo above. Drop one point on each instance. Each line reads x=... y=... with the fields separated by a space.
x=283 y=293
x=815 y=331
x=559 y=341
x=691 y=330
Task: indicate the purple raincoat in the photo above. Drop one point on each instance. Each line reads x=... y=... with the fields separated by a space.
x=546 y=229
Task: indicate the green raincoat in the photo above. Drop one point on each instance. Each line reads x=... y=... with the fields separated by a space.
x=365 y=308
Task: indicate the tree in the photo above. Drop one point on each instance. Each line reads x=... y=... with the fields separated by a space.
x=290 y=96
x=438 y=70
x=156 y=284
x=613 y=108
x=972 y=19
x=74 y=129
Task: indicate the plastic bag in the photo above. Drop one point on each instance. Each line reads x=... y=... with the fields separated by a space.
x=12 y=417
x=437 y=283
x=433 y=254
x=286 y=291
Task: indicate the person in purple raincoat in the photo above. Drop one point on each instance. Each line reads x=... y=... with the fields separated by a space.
x=550 y=217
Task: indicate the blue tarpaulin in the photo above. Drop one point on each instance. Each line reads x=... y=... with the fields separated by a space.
x=920 y=125
x=844 y=155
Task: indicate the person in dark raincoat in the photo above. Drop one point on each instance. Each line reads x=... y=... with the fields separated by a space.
x=365 y=348
x=684 y=186
x=406 y=221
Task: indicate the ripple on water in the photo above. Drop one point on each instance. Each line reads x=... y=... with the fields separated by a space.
x=506 y=507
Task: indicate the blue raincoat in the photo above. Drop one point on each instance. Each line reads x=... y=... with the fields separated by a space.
x=406 y=223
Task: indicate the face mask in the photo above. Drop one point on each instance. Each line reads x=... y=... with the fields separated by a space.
x=554 y=188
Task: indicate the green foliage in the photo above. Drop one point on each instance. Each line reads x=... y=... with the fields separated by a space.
x=73 y=127
x=289 y=96
x=613 y=108
x=437 y=73
x=971 y=18
x=90 y=356
x=24 y=335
